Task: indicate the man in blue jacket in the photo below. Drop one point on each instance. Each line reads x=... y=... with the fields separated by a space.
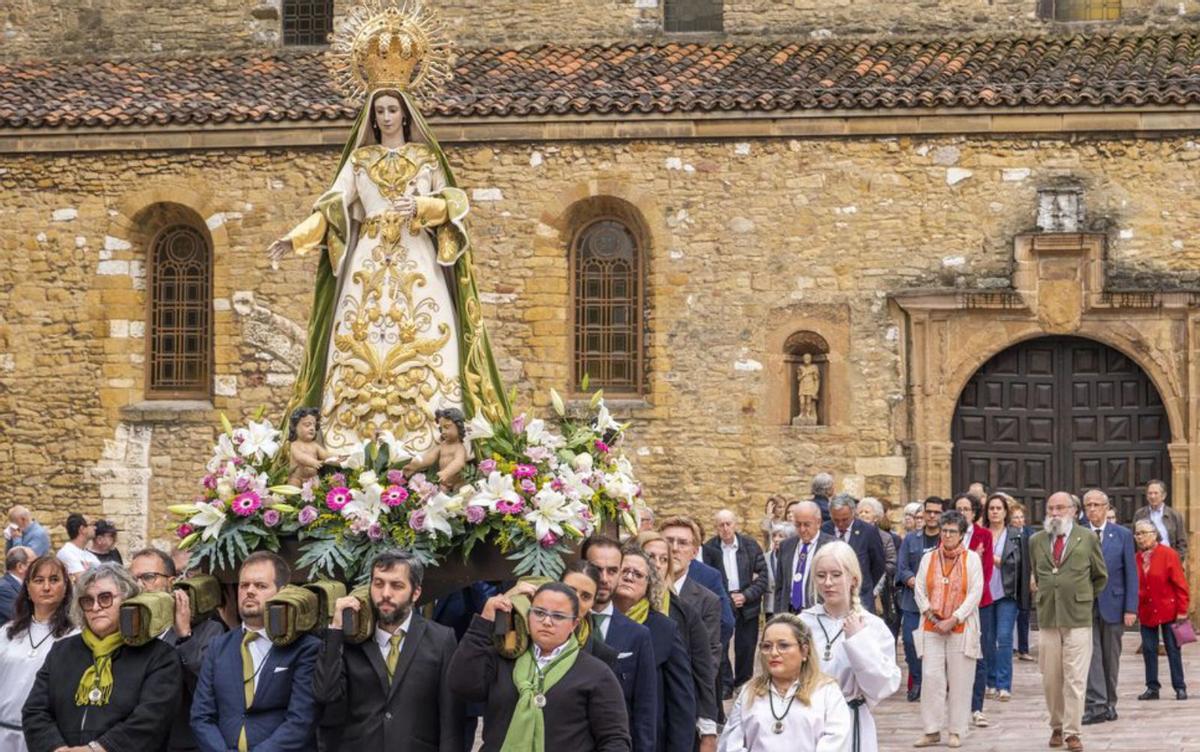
x=252 y=695
x=636 y=669
x=1114 y=610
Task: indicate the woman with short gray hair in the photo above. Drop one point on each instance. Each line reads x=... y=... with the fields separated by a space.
x=778 y=533
x=93 y=690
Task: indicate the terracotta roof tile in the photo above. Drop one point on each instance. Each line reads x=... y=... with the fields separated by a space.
x=1150 y=69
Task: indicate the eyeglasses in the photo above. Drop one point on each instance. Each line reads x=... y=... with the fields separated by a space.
x=950 y=531
x=632 y=575
x=776 y=647
x=554 y=617
x=147 y=578
x=104 y=600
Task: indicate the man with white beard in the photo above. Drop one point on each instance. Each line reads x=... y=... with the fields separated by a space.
x=1069 y=571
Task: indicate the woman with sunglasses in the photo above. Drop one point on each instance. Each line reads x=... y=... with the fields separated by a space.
x=789 y=706
x=554 y=696
x=94 y=692
x=40 y=619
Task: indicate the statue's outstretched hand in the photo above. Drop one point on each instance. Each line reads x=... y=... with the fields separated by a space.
x=278 y=250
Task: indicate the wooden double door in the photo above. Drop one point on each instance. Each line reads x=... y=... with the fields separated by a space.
x=1061 y=414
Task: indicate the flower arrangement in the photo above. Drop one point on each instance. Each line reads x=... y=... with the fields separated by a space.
x=535 y=489
x=241 y=509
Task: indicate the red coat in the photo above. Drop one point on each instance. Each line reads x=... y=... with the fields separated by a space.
x=981 y=543
x=1163 y=592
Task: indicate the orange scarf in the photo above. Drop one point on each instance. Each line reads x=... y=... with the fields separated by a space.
x=947 y=589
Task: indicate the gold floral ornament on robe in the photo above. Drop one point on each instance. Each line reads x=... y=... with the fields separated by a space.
x=396 y=329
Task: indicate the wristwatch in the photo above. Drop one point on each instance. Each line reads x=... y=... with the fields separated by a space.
x=95 y=746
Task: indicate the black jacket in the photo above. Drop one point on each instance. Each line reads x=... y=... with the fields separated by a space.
x=784 y=565
x=585 y=710
x=147 y=687
x=191 y=655
x=416 y=711
x=752 y=572
x=1014 y=567
x=704 y=668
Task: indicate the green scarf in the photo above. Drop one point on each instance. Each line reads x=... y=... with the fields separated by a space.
x=99 y=674
x=639 y=611
x=527 y=731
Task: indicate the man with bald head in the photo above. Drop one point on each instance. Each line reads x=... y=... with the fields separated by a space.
x=1069 y=571
x=743 y=569
x=793 y=565
x=23 y=530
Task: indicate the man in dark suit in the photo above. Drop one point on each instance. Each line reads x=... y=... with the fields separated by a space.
x=155 y=572
x=864 y=539
x=637 y=670
x=1168 y=521
x=16 y=563
x=252 y=695
x=395 y=686
x=1115 y=609
x=743 y=570
x=794 y=590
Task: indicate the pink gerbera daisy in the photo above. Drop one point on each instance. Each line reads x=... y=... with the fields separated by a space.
x=394 y=496
x=337 y=498
x=246 y=504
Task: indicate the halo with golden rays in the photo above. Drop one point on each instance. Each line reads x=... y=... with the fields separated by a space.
x=398 y=44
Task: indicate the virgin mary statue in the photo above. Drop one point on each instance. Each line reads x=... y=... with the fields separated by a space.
x=396 y=330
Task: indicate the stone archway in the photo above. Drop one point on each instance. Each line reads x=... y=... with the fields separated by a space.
x=1061 y=413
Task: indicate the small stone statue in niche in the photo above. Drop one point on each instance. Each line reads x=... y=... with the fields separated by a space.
x=306 y=455
x=450 y=454
x=808 y=387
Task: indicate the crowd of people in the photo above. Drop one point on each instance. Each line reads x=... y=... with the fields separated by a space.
x=662 y=642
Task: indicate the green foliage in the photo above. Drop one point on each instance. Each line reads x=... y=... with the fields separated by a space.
x=535 y=560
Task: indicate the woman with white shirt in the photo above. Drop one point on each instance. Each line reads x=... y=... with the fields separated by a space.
x=41 y=617
x=790 y=706
x=854 y=646
x=948 y=586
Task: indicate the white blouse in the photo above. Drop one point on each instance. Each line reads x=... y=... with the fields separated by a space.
x=20 y=659
x=864 y=666
x=822 y=726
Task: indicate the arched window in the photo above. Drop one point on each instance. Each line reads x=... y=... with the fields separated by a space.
x=307 y=22
x=1081 y=10
x=179 y=336
x=609 y=289
x=693 y=15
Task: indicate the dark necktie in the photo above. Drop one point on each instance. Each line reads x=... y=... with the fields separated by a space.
x=1059 y=542
x=798 y=580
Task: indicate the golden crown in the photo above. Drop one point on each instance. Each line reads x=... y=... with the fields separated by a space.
x=390 y=44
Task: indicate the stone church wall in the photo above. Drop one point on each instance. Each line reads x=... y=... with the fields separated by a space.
x=747 y=242
x=121 y=28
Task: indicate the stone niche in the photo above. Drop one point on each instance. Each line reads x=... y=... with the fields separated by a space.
x=806 y=354
x=823 y=333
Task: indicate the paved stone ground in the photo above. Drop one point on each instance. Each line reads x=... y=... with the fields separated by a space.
x=1021 y=725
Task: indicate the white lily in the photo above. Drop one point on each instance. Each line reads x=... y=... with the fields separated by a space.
x=368 y=478
x=209 y=518
x=223 y=452
x=438 y=513
x=260 y=440
x=537 y=434
x=356 y=457
x=557 y=400
x=495 y=488
x=479 y=428
x=573 y=484
x=549 y=511
x=366 y=503
x=582 y=462
x=604 y=421
x=395 y=449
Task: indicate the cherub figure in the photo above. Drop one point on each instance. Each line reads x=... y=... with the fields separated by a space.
x=305 y=453
x=450 y=454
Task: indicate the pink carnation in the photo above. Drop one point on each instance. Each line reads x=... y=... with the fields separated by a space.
x=601 y=447
x=246 y=504
x=242 y=484
x=518 y=424
x=475 y=515
x=394 y=496
x=525 y=471
x=548 y=540
x=510 y=507
x=210 y=482
x=337 y=479
x=528 y=486
x=395 y=477
x=375 y=531
x=487 y=467
x=337 y=498
x=308 y=515
x=271 y=517
x=183 y=530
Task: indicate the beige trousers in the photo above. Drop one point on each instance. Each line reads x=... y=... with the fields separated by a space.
x=1064 y=656
x=947 y=677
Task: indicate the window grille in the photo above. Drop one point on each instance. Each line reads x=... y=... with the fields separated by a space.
x=608 y=283
x=179 y=364
x=307 y=22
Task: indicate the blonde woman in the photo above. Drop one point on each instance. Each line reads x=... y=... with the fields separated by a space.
x=853 y=646
x=948 y=587
x=790 y=705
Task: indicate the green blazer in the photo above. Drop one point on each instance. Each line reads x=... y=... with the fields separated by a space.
x=1065 y=594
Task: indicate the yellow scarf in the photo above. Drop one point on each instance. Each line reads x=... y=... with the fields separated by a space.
x=664 y=608
x=99 y=674
x=639 y=611
x=584 y=630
